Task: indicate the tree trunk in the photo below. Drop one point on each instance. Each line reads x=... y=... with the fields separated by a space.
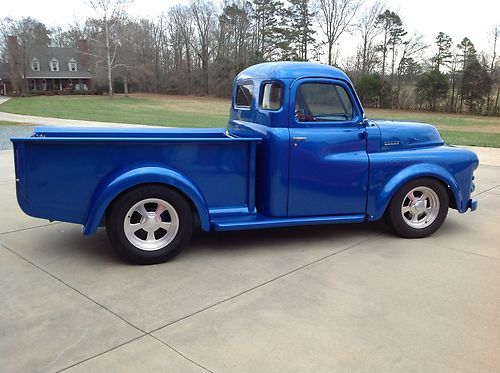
x=188 y=62
x=108 y=60
x=452 y=104
x=125 y=83
x=495 y=111
x=363 y=63
x=384 y=52
x=330 y=47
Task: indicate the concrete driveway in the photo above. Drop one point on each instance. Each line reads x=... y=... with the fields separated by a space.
x=346 y=298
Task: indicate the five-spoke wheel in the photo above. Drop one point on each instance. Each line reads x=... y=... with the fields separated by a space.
x=418 y=208
x=149 y=224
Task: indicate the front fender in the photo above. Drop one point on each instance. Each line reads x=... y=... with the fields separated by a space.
x=107 y=192
x=377 y=206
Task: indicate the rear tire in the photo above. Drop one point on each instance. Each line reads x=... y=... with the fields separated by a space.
x=149 y=224
x=418 y=208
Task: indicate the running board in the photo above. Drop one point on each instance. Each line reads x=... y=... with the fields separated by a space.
x=256 y=221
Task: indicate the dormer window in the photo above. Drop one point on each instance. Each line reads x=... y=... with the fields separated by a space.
x=35 y=64
x=54 y=65
x=72 y=65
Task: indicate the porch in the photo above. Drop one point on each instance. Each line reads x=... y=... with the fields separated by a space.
x=63 y=84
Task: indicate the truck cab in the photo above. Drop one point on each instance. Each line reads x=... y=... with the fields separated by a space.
x=314 y=138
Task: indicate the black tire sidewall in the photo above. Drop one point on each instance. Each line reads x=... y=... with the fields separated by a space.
x=394 y=211
x=121 y=206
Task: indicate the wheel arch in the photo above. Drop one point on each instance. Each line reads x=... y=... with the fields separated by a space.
x=116 y=185
x=438 y=173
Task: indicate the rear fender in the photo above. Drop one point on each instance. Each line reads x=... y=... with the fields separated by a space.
x=377 y=208
x=104 y=195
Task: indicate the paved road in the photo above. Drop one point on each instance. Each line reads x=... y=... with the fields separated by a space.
x=346 y=298
x=7 y=131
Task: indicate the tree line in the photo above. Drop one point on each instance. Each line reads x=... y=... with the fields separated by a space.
x=198 y=48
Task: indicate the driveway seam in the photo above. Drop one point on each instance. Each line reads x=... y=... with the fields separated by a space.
x=144 y=333
x=264 y=283
x=71 y=287
x=25 y=229
x=486 y=191
x=100 y=353
x=464 y=251
x=181 y=354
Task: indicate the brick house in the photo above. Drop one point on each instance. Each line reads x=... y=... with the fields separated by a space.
x=49 y=68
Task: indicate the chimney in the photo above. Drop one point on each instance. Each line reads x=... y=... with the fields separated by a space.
x=12 y=50
x=82 y=45
x=14 y=62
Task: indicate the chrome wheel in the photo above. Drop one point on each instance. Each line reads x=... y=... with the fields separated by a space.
x=420 y=207
x=151 y=224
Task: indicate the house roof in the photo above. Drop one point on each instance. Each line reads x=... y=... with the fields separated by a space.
x=4 y=71
x=64 y=56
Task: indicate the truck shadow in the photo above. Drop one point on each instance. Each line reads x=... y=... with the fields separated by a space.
x=99 y=248
x=280 y=238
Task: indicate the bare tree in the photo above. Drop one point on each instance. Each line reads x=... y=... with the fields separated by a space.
x=336 y=17
x=180 y=27
x=412 y=50
x=205 y=21
x=367 y=27
x=108 y=13
x=494 y=38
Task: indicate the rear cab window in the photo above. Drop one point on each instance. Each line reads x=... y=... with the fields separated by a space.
x=271 y=96
x=244 y=95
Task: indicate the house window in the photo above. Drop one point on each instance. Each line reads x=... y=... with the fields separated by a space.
x=54 y=65
x=72 y=65
x=35 y=64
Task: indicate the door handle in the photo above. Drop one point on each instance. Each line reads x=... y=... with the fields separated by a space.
x=297 y=139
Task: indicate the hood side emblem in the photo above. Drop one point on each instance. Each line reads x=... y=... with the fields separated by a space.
x=391 y=143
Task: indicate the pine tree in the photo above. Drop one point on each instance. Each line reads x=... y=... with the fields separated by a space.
x=443 y=55
x=266 y=35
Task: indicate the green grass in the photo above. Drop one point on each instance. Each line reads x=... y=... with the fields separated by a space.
x=189 y=111
x=144 y=109
x=464 y=121
x=491 y=140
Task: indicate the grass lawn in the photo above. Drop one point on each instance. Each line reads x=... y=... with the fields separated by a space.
x=188 y=111
x=178 y=111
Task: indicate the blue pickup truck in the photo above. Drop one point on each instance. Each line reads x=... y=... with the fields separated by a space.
x=297 y=150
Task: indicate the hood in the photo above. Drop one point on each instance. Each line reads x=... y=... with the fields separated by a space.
x=404 y=135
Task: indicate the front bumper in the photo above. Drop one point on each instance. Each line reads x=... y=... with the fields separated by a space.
x=472 y=204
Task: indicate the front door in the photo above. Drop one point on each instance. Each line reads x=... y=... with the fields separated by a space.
x=328 y=159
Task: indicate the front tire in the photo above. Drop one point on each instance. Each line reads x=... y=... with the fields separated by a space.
x=149 y=224
x=418 y=208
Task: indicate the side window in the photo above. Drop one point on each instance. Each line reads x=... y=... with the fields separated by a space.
x=322 y=102
x=244 y=94
x=271 y=96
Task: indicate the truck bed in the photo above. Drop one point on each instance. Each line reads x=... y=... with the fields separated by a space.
x=60 y=172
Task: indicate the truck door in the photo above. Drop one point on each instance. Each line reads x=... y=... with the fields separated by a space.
x=328 y=160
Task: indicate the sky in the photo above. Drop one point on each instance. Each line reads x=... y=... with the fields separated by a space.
x=457 y=18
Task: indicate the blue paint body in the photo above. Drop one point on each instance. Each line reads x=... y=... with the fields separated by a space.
x=252 y=175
